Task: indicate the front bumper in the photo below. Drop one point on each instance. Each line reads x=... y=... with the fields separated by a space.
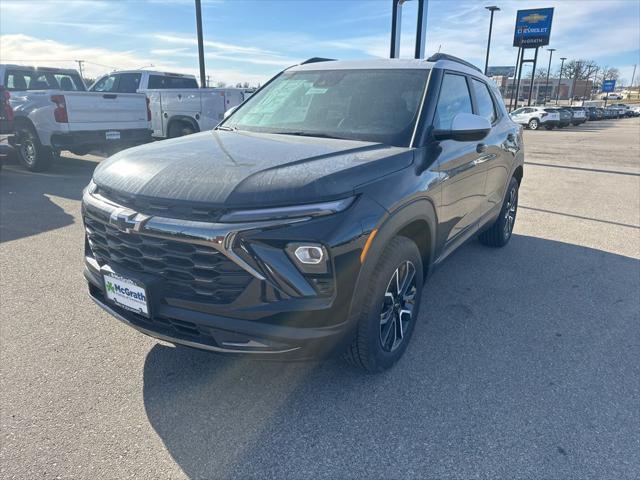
x=98 y=138
x=280 y=310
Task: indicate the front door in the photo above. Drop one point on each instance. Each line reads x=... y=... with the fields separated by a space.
x=462 y=175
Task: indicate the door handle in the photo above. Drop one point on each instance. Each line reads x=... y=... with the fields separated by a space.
x=481 y=148
x=484 y=158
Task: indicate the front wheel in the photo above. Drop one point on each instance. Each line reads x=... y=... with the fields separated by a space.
x=32 y=154
x=499 y=234
x=533 y=124
x=389 y=309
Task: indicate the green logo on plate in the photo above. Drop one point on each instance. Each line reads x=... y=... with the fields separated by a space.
x=110 y=288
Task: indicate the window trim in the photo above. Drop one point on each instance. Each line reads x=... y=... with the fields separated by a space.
x=445 y=72
x=476 y=110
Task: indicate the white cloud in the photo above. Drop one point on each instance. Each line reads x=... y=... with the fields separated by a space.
x=26 y=50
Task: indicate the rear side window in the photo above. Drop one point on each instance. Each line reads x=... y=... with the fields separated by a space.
x=454 y=99
x=128 y=82
x=160 y=81
x=486 y=107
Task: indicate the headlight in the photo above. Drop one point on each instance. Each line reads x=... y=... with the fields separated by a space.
x=295 y=211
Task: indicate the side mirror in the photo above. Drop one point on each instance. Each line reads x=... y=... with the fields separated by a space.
x=465 y=127
x=230 y=111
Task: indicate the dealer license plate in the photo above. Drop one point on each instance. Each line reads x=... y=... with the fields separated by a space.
x=126 y=293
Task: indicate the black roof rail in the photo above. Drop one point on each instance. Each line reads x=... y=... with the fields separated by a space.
x=317 y=60
x=444 y=56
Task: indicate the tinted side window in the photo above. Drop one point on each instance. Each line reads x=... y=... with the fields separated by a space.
x=159 y=81
x=129 y=82
x=485 y=105
x=454 y=99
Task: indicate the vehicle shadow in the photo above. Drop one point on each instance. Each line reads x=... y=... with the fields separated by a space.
x=524 y=360
x=28 y=195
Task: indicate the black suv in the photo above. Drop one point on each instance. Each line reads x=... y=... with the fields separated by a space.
x=307 y=222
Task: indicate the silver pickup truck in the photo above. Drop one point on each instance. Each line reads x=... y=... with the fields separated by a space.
x=178 y=106
x=54 y=112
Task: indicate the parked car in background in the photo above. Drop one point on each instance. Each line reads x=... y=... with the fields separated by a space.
x=6 y=123
x=611 y=96
x=284 y=232
x=536 y=117
x=579 y=115
x=566 y=116
x=594 y=113
x=178 y=106
x=54 y=112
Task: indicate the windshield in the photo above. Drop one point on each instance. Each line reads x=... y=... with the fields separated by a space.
x=368 y=105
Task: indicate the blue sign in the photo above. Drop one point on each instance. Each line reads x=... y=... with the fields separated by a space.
x=608 y=86
x=533 y=27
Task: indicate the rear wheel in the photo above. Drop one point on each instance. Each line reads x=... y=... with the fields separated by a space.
x=389 y=310
x=32 y=154
x=499 y=234
x=180 y=129
x=533 y=124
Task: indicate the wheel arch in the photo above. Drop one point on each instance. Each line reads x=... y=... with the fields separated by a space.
x=417 y=221
x=182 y=119
x=25 y=122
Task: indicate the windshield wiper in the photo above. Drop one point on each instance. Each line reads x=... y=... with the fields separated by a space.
x=309 y=134
x=226 y=129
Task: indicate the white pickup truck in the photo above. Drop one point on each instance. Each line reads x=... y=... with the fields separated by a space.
x=178 y=106
x=54 y=112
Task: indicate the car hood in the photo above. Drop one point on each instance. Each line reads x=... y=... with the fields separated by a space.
x=240 y=168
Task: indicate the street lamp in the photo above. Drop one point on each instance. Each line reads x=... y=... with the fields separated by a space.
x=492 y=9
x=546 y=86
x=560 y=78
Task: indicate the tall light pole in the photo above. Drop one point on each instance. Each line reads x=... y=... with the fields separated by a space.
x=200 y=42
x=492 y=9
x=546 y=85
x=560 y=78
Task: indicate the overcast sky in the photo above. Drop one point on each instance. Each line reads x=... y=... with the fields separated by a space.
x=253 y=40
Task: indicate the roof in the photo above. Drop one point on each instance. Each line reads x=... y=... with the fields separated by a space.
x=384 y=63
x=156 y=72
x=38 y=68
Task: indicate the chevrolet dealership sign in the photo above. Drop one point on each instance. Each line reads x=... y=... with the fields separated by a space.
x=533 y=27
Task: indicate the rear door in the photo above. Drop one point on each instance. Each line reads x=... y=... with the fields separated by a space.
x=492 y=150
x=463 y=178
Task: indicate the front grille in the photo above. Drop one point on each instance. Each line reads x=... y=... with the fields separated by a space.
x=190 y=271
x=162 y=208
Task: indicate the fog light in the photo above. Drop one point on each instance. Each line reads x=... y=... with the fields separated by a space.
x=309 y=254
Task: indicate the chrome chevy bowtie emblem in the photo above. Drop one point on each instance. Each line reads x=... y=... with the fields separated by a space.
x=127 y=220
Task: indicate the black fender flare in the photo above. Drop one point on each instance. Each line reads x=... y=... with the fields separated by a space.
x=392 y=224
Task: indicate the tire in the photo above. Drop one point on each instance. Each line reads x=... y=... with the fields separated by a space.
x=377 y=344
x=180 y=129
x=32 y=154
x=548 y=127
x=499 y=233
x=533 y=124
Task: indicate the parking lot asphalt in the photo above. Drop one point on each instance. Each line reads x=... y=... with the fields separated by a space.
x=525 y=362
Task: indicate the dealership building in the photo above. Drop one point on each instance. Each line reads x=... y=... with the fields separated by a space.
x=567 y=87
